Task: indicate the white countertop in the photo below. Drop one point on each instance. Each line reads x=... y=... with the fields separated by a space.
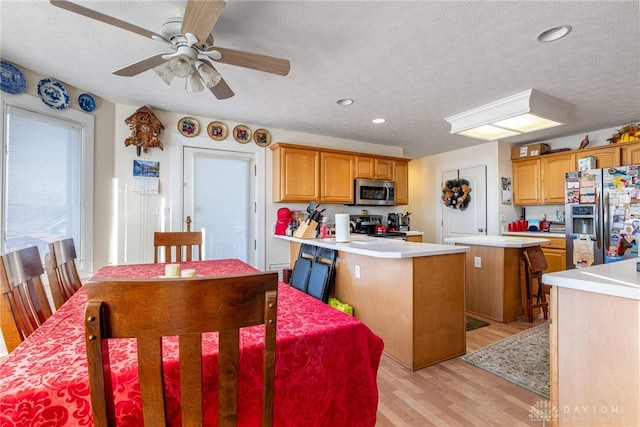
x=414 y=233
x=541 y=234
x=380 y=247
x=618 y=279
x=498 y=241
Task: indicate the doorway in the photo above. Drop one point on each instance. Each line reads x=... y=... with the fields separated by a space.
x=219 y=196
x=473 y=219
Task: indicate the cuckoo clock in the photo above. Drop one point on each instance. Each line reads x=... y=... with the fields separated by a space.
x=145 y=129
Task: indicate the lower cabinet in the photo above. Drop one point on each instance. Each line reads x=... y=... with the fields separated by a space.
x=417 y=238
x=555 y=254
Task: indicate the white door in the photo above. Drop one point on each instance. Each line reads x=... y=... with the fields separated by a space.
x=219 y=196
x=473 y=219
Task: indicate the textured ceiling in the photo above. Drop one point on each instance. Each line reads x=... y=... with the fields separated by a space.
x=413 y=63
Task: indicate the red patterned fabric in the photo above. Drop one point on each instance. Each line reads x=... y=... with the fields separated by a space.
x=326 y=365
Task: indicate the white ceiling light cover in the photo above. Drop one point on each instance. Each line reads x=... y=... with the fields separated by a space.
x=524 y=112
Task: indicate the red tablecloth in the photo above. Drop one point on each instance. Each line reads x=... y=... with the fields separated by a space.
x=326 y=364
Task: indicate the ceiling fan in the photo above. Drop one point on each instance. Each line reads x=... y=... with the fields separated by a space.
x=193 y=48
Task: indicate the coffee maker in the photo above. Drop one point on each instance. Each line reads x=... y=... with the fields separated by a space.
x=393 y=221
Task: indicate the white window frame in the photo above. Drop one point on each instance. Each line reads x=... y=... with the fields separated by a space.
x=86 y=123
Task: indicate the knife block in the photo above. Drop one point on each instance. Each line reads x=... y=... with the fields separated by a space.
x=306 y=231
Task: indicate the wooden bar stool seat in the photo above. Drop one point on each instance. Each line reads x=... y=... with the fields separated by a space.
x=532 y=265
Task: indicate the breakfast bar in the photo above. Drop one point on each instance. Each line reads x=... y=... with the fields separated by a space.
x=410 y=294
x=493 y=288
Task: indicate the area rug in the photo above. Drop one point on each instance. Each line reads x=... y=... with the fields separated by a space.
x=522 y=359
x=474 y=324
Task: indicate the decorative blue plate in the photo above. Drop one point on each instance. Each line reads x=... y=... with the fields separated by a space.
x=13 y=80
x=86 y=102
x=53 y=94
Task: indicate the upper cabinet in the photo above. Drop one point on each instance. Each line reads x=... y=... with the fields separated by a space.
x=540 y=180
x=336 y=172
x=401 y=177
x=374 y=167
x=296 y=174
x=301 y=174
x=606 y=157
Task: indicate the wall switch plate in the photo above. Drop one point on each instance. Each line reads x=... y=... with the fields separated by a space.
x=477 y=262
x=357 y=272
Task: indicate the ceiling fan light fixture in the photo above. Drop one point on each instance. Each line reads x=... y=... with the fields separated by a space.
x=210 y=77
x=523 y=112
x=164 y=72
x=181 y=65
x=193 y=83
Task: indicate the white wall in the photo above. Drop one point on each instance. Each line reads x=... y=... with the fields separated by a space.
x=135 y=217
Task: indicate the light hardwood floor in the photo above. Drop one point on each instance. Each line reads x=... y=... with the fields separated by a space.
x=455 y=393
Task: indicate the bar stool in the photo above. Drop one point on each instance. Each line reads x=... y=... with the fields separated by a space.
x=532 y=265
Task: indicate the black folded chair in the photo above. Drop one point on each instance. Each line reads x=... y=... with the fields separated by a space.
x=322 y=271
x=302 y=267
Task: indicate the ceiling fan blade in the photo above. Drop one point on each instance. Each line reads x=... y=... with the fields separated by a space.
x=98 y=16
x=200 y=16
x=255 y=61
x=222 y=90
x=140 y=66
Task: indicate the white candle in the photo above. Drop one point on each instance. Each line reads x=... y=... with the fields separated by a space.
x=188 y=273
x=172 y=270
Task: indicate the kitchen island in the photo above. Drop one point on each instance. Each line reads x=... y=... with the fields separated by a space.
x=595 y=344
x=410 y=294
x=493 y=286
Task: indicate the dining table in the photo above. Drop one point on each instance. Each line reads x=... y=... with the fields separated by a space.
x=326 y=364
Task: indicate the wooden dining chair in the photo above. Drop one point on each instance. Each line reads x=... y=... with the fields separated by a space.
x=175 y=243
x=24 y=302
x=62 y=272
x=533 y=264
x=186 y=308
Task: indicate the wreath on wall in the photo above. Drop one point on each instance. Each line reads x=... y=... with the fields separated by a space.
x=455 y=194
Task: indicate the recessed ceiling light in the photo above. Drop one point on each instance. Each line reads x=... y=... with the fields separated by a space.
x=553 y=34
x=344 y=102
x=378 y=121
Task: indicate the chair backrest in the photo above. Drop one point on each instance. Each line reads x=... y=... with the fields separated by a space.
x=181 y=241
x=535 y=258
x=23 y=295
x=302 y=267
x=322 y=270
x=62 y=273
x=147 y=310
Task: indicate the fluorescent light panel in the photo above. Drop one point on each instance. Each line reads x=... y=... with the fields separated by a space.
x=524 y=112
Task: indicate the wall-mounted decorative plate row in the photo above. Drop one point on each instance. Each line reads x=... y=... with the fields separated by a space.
x=218 y=131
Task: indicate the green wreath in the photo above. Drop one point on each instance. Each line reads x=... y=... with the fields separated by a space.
x=455 y=194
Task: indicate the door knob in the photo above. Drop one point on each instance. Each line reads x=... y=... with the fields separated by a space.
x=481 y=230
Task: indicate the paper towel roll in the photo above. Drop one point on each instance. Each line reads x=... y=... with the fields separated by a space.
x=342 y=227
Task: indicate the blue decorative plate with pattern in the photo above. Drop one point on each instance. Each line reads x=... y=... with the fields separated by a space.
x=86 y=102
x=12 y=80
x=53 y=94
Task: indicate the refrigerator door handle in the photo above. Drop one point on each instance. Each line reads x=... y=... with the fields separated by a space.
x=607 y=226
x=597 y=220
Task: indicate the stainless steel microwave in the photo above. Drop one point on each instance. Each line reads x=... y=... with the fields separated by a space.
x=373 y=192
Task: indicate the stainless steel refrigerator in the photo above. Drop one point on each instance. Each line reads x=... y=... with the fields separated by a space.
x=602 y=215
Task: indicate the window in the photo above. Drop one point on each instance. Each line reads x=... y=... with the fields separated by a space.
x=47 y=178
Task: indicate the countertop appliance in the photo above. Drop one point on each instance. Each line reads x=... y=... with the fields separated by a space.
x=398 y=221
x=372 y=192
x=602 y=215
x=371 y=225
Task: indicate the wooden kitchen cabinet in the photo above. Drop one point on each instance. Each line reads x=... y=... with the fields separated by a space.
x=373 y=167
x=401 y=177
x=336 y=171
x=606 y=157
x=540 y=180
x=630 y=153
x=296 y=174
x=526 y=182
x=556 y=254
x=553 y=175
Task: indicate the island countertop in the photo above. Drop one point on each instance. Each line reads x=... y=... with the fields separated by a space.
x=379 y=247
x=620 y=279
x=498 y=241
